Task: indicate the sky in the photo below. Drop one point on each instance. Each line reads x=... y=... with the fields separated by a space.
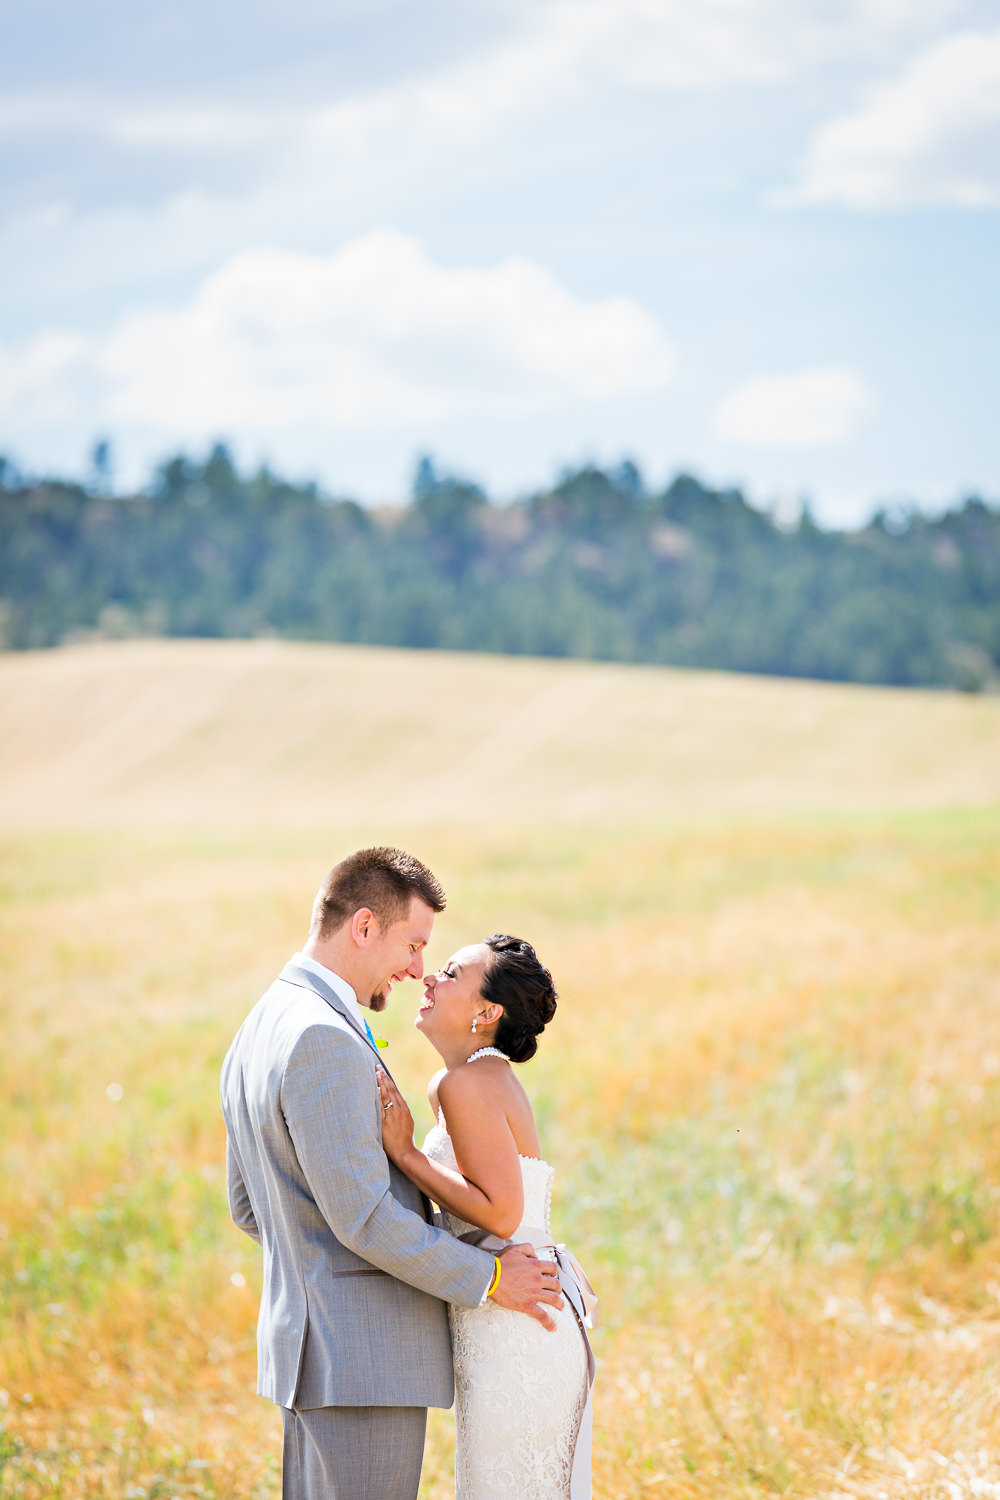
x=753 y=240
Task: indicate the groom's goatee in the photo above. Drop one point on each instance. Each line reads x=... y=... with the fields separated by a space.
x=378 y=1001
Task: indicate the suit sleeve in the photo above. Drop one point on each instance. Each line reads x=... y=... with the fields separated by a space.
x=240 y=1206
x=331 y=1107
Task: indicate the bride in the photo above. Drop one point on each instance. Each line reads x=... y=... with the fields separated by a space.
x=522 y=1391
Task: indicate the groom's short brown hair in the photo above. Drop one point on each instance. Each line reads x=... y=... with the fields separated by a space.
x=385 y=880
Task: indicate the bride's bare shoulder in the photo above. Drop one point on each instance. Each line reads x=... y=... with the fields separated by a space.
x=486 y=1082
x=487 y=1100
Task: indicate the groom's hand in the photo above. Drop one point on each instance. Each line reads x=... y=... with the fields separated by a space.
x=526 y=1282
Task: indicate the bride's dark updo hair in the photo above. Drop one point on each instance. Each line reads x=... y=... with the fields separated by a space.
x=516 y=979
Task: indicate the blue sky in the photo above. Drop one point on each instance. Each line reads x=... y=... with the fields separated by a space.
x=754 y=239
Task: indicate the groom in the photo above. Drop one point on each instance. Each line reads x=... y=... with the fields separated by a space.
x=352 y=1336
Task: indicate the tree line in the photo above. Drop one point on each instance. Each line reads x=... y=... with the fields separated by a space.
x=595 y=566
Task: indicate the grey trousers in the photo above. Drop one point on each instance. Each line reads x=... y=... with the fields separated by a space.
x=352 y=1452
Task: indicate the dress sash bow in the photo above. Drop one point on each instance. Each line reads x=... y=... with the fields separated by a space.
x=573 y=1281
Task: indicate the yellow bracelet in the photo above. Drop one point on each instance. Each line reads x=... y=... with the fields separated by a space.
x=496 y=1277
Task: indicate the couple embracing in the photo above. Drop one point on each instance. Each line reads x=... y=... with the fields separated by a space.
x=371 y=1311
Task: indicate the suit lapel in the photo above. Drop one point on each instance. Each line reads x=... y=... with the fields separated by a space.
x=305 y=979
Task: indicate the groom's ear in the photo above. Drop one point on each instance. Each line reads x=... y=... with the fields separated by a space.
x=364 y=926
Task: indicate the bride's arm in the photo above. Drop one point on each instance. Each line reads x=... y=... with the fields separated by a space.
x=432 y=1092
x=488 y=1191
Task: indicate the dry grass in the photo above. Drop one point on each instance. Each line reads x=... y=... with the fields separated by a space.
x=279 y=734
x=772 y=1089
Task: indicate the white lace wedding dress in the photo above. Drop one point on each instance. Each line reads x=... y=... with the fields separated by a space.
x=520 y=1390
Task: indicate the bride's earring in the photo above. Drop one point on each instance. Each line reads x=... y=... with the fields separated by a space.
x=475 y=1021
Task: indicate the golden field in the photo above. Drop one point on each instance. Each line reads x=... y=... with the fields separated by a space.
x=772 y=1090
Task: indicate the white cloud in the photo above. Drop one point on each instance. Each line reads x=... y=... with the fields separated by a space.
x=807 y=409
x=929 y=136
x=375 y=336
x=37 y=381
x=553 y=55
x=709 y=43
x=173 y=124
x=569 y=52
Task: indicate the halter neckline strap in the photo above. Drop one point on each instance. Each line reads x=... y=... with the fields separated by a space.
x=487 y=1052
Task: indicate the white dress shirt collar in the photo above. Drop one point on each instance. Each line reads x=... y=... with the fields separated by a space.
x=340 y=986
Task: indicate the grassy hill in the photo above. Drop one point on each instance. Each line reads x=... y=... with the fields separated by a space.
x=156 y=731
x=771 y=1090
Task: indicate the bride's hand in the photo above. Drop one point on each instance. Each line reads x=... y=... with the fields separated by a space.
x=397 y=1122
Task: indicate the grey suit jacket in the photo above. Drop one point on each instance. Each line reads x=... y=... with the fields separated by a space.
x=351 y=1311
